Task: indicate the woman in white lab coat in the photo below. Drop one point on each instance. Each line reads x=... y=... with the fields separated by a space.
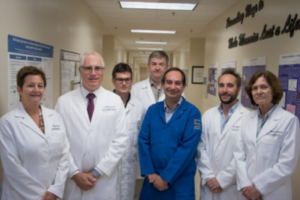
x=267 y=148
x=33 y=144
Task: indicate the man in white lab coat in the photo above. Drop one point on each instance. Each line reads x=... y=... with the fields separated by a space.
x=96 y=129
x=215 y=151
x=122 y=80
x=149 y=91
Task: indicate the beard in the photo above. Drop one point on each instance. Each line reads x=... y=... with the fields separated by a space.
x=232 y=98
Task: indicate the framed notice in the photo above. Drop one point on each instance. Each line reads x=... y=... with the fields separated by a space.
x=197 y=74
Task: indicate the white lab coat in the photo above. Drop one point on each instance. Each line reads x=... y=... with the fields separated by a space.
x=269 y=160
x=143 y=92
x=134 y=116
x=215 y=153
x=33 y=162
x=98 y=144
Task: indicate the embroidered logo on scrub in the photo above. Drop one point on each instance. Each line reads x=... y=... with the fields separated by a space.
x=197 y=124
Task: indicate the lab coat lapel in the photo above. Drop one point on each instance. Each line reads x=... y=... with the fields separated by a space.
x=48 y=119
x=233 y=119
x=252 y=126
x=81 y=104
x=101 y=99
x=128 y=107
x=148 y=90
x=271 y=123
x=27 y=121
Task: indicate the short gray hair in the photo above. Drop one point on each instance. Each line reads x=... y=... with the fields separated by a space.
x=91 y=53
x=159 y=54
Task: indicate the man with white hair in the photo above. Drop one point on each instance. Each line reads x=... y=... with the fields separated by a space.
x=96 y=129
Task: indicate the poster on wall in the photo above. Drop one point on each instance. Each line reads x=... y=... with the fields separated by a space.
x=69 y=74
x=250 y=66
x=23 y=52
x=289 y=75
x=228 y=64
x=212 y=79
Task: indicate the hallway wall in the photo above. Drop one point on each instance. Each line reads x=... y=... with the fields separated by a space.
x=274 y=12
x=67 y=24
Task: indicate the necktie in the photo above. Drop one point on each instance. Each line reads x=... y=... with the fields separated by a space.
x=91 y=106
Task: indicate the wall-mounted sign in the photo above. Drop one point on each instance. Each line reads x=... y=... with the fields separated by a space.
x=250 y=10
x=292 y=24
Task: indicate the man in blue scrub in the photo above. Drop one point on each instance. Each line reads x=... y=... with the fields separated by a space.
x=168 y=141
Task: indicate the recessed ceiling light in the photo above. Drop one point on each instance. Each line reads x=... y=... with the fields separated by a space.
x=157 y=6
x=150 y=48
x=148 y=42
x=152 y=31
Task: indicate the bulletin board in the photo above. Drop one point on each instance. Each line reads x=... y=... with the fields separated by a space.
x=69 y=74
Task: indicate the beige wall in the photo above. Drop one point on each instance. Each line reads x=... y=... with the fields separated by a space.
x=275 y=12
x=68 y=24
x=191 y=53
x=113 y=52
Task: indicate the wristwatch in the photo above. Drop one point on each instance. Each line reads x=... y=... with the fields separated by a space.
x=96 y=174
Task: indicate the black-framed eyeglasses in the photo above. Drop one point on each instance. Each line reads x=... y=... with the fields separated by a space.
x=89 y=69
x=120 y=80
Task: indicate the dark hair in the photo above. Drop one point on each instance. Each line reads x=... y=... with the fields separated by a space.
x=271 y=79
x=232 y=72
x=29 y=70
x=174 y=69
x=121 y=67
x=159 y=54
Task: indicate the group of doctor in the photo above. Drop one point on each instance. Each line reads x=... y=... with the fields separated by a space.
x=243 y=154
x=89 y=145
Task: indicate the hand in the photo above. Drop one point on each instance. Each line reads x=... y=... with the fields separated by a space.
x=158 y=182
x=251 y=193
x=85 y=181
x=214 y=185
x=49 y=196
x=152 y=177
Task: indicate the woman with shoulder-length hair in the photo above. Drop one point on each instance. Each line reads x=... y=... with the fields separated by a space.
x=33 y=144
x=267 y=148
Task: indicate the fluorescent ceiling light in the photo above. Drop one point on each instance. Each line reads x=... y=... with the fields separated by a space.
x=157 y=6
x=150 y=48
x=152 y=31
x=145 y=42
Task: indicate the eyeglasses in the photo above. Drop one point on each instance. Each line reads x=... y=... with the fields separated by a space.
x=89 y=69
x=120 y=80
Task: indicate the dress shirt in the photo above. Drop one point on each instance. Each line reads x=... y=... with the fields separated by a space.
x=169 y=113
x=230 y=113
x=155 y=90
x=261 y=121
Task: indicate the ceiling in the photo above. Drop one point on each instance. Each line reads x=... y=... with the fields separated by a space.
x=188 y=24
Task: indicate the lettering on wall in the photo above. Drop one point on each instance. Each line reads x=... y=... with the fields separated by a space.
x=292 y=24
x=250 y=10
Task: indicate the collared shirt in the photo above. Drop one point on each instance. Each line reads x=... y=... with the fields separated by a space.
x=230 y=113
x=169 y=113
x=155 y=90
x=261 y=121
x=85 y=92
x=129 y=96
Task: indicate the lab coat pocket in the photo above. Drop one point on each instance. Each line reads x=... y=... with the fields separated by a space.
x=56 y=143
x=109 y=122
x=268 y=147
